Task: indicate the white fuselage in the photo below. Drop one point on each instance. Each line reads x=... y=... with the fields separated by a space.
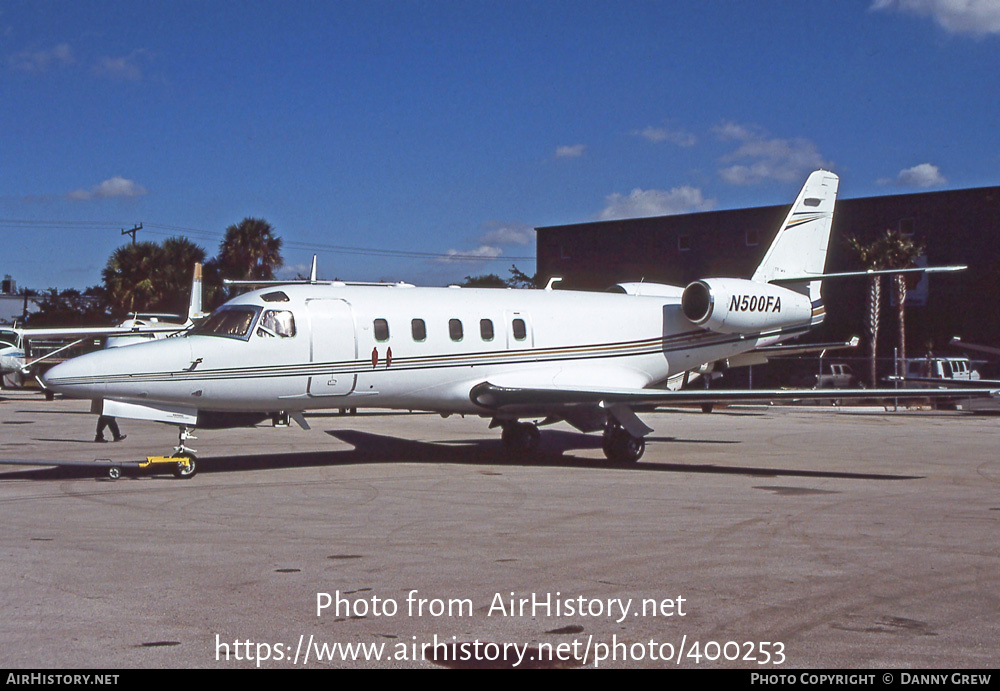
x=11 y=351
x=403 y=347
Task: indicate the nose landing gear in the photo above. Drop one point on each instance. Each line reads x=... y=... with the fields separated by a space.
x=186 y=465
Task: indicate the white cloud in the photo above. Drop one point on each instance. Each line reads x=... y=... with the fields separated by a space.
x=490 y=242
x=640 y=203
x=126 y=67
x=482 y=253
x=976 y=17
x=732 y=130
x=116 y=187
x=760 y=158
x=43 y=60
x=923 y=175
x=574 y=151
x=508 y=234
x=658 y=135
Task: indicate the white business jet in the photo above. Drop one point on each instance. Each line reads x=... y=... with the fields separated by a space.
x=590 y=359
x=137 y=328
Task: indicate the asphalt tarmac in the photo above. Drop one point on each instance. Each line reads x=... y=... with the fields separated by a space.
x=760 y=538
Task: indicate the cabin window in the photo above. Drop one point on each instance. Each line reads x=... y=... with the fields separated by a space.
x=228 y=322
x=455 y=329
x=381 y=330
x=486 y=329
x=419 y=330
x=276 y=296
x=519 y=329
x=276 y=323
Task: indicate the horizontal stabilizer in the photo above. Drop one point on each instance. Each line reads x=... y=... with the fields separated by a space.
x=871 y=272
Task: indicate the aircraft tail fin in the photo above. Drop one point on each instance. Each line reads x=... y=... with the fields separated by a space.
x=194 y=306
x=799 y=249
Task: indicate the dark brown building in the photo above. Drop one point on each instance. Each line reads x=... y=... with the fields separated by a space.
x=957 y=226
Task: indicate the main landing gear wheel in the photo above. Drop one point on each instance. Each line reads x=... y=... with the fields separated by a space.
x=114 y=472
x=520 y=438
x=621 y=447
x=183 y=471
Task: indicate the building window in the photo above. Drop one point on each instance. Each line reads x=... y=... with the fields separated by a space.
x=519 y=329
x=908 y=226
x=418 y=329
x=486 y=329
x=381 y=330
x=752 y=238
x=455 y=329
x=683 y=242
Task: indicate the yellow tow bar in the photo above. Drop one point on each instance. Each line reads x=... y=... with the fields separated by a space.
x=183 y=466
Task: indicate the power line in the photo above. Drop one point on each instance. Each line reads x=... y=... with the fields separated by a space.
x=344 y=249
x=207 y=235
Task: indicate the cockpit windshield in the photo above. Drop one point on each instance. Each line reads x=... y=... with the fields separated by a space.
x=228 y=322
x=8 y=338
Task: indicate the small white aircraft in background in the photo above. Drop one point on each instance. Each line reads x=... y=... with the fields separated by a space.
x=590 y=359
x=136 y=329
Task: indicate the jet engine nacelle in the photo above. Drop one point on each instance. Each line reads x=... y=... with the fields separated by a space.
x=736 y=305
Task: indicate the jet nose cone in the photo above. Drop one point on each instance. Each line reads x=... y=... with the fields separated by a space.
x=124 y=372
x=73 y=378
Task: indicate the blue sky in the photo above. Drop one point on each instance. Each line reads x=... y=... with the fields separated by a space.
x=434 y=136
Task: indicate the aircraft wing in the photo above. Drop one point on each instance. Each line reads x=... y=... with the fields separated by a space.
x=500 y=398
x=95 y=331
x=962 y=384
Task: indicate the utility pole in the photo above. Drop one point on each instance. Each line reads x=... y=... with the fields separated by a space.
x=132 y=232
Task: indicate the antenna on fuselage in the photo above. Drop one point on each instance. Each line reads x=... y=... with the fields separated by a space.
x=312 y=271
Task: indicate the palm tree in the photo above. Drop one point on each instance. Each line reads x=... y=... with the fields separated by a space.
x=889 y=250
x=901 y=252
x=867 y=256
x=179 y=257
x=250 y=251
x=132 y=278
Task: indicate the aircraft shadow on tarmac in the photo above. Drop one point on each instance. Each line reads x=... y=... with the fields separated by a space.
x=555 y=452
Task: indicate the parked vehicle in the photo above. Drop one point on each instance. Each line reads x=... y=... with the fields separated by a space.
x=924 y=372
x=836 y=376
x=959 y=368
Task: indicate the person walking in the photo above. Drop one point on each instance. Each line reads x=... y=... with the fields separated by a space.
x=106 y=421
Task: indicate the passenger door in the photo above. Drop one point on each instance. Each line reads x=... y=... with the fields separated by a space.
x=333 y=345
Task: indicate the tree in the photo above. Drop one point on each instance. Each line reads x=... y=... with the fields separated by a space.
x=901 y=252
x=179 y=257
x=484 y=281
x=71 y=308
x=518 y=279
x=890 y=250
x=147 y=277
x=132 y=278
x=250 y=251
